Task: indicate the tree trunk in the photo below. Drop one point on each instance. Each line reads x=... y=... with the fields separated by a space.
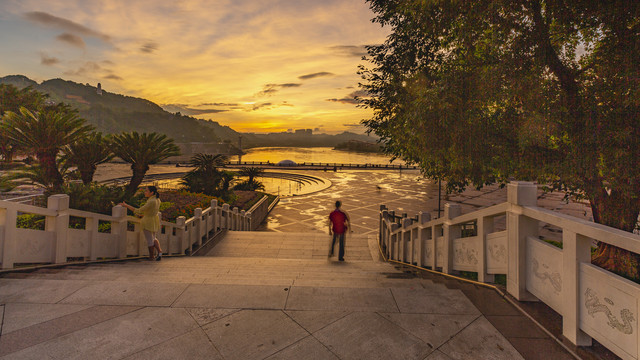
x=86 y=174
x=621 y=212
x=52 y=176
x=136 y=179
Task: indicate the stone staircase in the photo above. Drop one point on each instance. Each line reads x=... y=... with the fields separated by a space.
x=257 y=296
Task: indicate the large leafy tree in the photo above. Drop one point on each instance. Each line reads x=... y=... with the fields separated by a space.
x=142 y=150
x=477 y=92
x=11 y=99
x=44 y=133
x=87 y=153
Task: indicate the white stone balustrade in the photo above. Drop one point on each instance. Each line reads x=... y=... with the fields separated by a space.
x=57 y=243
x=594 y=303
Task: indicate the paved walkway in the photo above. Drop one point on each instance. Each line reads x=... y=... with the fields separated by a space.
x=287 y=304
x=276 y=296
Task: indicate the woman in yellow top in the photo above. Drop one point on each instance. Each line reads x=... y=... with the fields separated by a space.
x=150 y=220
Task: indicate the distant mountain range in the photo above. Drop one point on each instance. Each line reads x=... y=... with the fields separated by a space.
x=113 y=113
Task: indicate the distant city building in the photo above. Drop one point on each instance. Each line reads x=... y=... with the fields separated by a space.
x=99 y=90
x=304 y=132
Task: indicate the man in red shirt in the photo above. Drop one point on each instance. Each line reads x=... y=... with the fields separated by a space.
x=338 y=225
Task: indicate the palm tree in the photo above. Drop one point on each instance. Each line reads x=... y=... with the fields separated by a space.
x=87 y=153
x=142 y=150
x=208 y=162
x=251 y=183
x=251 y=172
x=45 y=133
x=11 y=99
x=205 y=178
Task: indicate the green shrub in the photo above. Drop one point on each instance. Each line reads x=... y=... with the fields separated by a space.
x=30 y=221
x=183 y=203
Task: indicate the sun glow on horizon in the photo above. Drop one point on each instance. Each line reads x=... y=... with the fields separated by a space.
x=245 y=64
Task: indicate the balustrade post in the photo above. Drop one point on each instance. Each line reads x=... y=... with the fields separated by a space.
x=576 y=249
x=243 y=220
x=60 y=203
x=423 y=217
x=225 y=215
x=249 y=221
x=91 y=226
x=434 y=246
x=197 y=221
x=393 y=248
x=215 y=216
x=8 y=219
x=519 y=227
x=381 y=228
x=450 y=233
x=485 y=227
x=235 y=219
x=119 y=230
x=406 y=242
x=181 y=234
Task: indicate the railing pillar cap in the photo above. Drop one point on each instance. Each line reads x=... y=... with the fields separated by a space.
x=452 y=210
x=197 y=212
x=225 y=207
x=118 y=211
x=181 y=220
x=214 y=203
x=424 y=217
x=235 y=210
x=523 y=193
x=58 y=202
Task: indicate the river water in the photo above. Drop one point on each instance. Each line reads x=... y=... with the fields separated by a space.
x=276 y=185
x=314 y=155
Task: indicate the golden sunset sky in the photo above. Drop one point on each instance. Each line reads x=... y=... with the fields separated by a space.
x=257 y=66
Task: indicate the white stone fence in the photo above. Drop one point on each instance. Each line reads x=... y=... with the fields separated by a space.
x=59 y=244
x=594 y=303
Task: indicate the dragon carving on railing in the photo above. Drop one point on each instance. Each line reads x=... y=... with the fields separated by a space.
x=593 y=305
x=554 y=278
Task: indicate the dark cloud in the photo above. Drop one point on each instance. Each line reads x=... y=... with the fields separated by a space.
x=48 y=60
x=345 y=100
x=260 y=106
x=314 y=75
x=350 y=50
x=351 y=98
x=88 y=68
x=219 y=104
x=71 y=39
x=270 y=89
x=113 y=77
x=185 y=110
x=149 y=47
x=359 y=93
x=44 y=18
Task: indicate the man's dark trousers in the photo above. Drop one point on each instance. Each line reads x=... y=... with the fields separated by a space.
x=341 y=250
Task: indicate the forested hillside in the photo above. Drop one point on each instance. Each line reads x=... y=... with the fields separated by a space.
x=113 y=113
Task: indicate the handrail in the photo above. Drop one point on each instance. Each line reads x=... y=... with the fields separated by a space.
x=593 y=302
x=25 y=246
x=619 y=238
